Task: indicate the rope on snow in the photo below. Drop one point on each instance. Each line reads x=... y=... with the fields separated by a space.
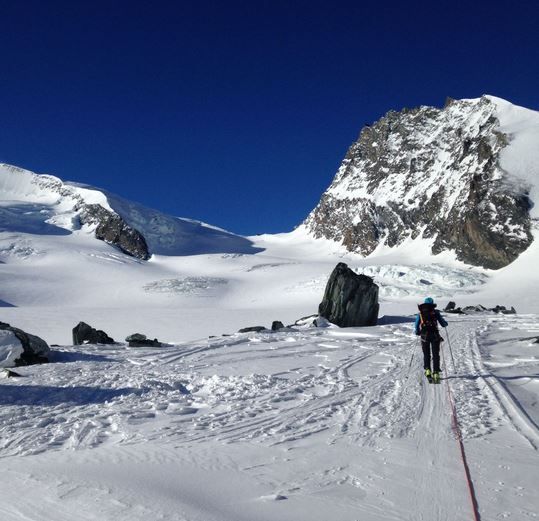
x=458 y=436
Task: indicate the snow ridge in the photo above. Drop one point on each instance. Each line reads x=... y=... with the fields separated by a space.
x=135 y=229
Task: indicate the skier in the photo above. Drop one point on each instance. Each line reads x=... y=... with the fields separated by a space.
x=426 y=325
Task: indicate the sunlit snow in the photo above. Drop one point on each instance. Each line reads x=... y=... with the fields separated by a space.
x=315 y=423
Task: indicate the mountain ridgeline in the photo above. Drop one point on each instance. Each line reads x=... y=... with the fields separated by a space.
x=464 y=178
x=430 y=173
x=44 y=204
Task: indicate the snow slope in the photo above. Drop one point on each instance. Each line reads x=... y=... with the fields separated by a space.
x=55 y=281
x=309 y=424
x=306 y=424
x=55 y=273
x=44 y=204
x=520 y=160
x=206 y=281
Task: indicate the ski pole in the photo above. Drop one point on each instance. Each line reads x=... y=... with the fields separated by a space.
x=412 y=357
x=450 y=349
x=414 y=346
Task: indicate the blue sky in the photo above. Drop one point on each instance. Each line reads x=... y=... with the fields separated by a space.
x=239 y=113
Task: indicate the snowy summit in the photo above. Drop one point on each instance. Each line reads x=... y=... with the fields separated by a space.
x=464 y=177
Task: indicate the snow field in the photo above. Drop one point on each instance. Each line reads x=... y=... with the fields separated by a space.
x=311 y=423
x=323 y=421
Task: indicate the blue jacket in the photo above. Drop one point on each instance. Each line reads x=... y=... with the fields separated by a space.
x=441 y=320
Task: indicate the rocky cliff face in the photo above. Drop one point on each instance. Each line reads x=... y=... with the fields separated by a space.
x=112 y=229
x=431 y=173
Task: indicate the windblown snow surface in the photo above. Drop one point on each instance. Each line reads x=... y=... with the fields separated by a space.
x=307 y=423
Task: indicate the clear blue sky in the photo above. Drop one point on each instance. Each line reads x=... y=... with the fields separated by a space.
x=239 y=113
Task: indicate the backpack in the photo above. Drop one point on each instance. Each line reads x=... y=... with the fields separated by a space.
x=428 y=319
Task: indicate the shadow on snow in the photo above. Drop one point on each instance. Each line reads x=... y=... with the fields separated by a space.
x=70 y=356
x=394 y=319
x=29 y=218
x=41 y=395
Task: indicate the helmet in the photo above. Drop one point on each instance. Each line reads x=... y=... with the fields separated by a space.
x=429 y=300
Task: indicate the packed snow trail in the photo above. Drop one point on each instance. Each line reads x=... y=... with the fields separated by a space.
x=308 y=424
x=458 y=436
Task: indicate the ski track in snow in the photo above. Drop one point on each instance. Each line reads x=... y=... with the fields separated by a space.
x=339 y=389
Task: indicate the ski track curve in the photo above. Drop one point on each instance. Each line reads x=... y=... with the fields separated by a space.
x=483 y=401
x=107 y=394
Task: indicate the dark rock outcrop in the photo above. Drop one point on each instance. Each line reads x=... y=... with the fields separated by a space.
x=276 y=325
x=35 y=349
x=252 y=329
x=503 y=310
x=474 y=309
x=455 y=311
x=349 y=299
x=85 y=334
x=304 y=321
x=479 y=308
x=429 y=172
x=140 y=340
x=136 y=337
x=112 y=229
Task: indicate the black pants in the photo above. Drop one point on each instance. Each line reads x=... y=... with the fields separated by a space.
x=431 y=342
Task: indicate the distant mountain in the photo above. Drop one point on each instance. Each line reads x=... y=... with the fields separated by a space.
x=45 y=205
x=464 y=177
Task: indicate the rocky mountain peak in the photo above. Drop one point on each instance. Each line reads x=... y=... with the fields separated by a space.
x=431 y=173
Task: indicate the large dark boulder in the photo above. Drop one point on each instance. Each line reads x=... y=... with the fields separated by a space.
x=350 y=299
x=85 y=334
x=451 y=308
x=34 y=349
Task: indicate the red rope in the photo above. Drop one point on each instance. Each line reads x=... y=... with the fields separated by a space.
x=458 y=436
